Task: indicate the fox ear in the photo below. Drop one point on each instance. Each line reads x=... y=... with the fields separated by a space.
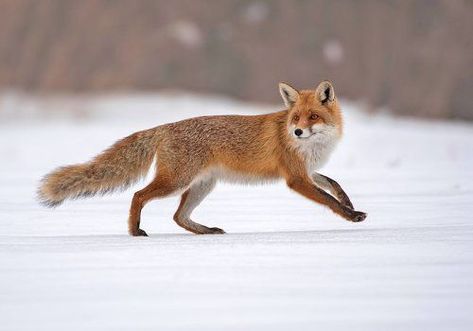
x=325 y=92
x=289 y=94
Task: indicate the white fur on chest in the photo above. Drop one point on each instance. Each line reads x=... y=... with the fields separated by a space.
x=317 y=148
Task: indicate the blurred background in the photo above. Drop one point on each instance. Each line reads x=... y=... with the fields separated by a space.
x=412 y=58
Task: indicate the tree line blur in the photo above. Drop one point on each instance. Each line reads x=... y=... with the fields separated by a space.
x=412 y=57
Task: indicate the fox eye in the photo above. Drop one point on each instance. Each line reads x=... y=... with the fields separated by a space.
x=296 y=118
x=313 y=117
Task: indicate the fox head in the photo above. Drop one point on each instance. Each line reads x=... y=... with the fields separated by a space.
x=313 y=114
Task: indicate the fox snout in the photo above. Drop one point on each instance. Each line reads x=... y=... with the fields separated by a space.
x=302 y=133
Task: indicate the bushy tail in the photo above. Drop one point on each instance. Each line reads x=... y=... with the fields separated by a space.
x=118 y=167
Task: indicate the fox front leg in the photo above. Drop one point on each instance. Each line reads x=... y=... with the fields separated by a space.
x=314 y=193
x=333 y=187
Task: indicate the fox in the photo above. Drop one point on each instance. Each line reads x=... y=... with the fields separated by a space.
x=192 y=155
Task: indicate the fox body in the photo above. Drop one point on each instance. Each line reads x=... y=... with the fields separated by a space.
x=193 y=154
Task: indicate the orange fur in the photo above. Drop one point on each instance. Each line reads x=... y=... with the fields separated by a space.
x=192 y=154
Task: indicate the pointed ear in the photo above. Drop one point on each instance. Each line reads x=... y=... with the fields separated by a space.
x=325 y=92
x=289 y=94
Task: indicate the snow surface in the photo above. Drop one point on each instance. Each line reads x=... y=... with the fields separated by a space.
x=285 y=263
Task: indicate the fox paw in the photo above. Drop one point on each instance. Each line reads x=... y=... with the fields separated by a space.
x=139 y=233
x=216 y=231
x=358 y=216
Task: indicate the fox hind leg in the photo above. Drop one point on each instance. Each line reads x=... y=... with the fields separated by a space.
x=160 y=187
x=189 y=201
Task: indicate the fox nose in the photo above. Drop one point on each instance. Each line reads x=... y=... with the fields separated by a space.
x=298 y=132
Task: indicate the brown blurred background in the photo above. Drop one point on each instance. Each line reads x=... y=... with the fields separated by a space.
x=413 y=57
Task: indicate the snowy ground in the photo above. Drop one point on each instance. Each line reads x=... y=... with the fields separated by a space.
x=285 y=263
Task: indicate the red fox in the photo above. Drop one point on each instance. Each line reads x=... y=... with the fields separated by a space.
x=191 y=155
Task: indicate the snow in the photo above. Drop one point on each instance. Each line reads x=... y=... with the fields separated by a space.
x=285 y=263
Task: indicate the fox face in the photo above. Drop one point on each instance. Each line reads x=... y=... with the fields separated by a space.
x=304 y=122
x=314 y=122
x=311 y=112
